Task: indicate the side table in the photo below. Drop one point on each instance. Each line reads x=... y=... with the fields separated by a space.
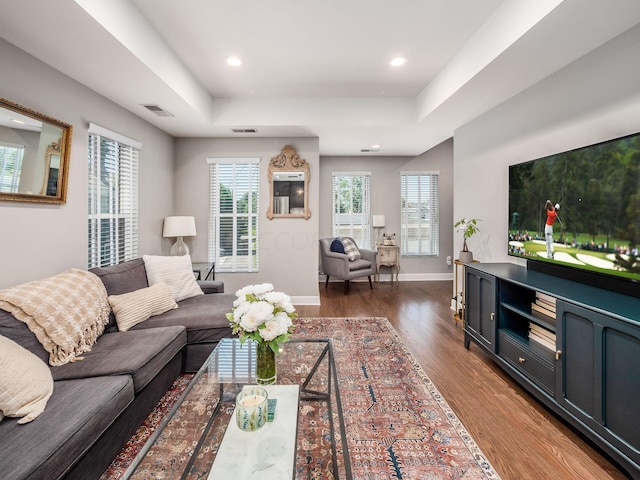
x=388 y=256
x=459 y=298
x=207 y=267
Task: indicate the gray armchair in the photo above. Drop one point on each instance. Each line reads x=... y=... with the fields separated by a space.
x=337 y=265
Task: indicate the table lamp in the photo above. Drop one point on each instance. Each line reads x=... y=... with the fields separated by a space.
x=378 y=222
x=179 y=227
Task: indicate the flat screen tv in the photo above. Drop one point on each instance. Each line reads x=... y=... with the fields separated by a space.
x=591 y=195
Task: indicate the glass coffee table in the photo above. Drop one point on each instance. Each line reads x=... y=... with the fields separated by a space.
x=185 y=445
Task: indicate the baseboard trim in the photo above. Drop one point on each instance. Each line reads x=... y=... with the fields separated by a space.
x=306 y=300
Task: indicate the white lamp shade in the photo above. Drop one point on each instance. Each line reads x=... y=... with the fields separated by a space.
x=179 y=227
x=377 y=221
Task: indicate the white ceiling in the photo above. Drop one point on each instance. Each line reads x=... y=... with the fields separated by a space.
x=314 y=68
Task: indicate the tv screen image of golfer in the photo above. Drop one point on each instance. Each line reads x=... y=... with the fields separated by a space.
x=580 y=208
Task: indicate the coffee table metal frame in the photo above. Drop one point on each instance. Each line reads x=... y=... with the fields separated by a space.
x=306 y=394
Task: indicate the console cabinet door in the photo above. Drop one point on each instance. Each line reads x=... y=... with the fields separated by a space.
x=480 y=309
x=599 y=374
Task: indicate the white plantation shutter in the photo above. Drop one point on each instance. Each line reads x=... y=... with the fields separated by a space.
x=420 y=224
x=351 y=215
x=233 y=213
x=10 y=167
x=113 y=198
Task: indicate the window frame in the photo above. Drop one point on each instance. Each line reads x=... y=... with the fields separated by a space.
x=120 y=238
x=364 y=217
x=432 y=221
x=7 y=162
x=235 y=262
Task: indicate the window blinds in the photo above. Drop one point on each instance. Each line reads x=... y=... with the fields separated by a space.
x=233 y=214
x=419 y=214
x=352 y=206
x=10 y=167
x=112 y=198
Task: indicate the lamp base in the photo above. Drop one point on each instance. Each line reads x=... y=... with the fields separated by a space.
x=179 y=248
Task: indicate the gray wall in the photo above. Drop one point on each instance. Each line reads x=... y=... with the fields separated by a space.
x=594 y=99
x=385 y=200
x=288 y=247
x=38 y=240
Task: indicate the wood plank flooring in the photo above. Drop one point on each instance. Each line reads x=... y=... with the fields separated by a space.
x=520 y=437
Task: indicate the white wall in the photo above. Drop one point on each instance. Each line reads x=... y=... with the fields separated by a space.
x=385 y=200
x=38 y=240
x=594 y=99
x=288 y=247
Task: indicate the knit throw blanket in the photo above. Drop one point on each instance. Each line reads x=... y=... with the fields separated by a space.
x=66 y=312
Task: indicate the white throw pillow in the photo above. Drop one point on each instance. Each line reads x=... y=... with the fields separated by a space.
x=176 y=272
x=350 y=249
x=25 y=382
x=135 y=307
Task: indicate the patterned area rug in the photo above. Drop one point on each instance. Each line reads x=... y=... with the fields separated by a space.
x=397 y=423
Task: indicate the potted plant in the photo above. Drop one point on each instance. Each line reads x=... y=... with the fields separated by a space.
x=468 y=228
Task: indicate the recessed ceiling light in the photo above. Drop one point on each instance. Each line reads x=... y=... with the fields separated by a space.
x=17 y=120
x=398 y=61
x=376 y=147
x=234 y=61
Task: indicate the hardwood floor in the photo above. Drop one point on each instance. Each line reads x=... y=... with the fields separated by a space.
x=520 y=437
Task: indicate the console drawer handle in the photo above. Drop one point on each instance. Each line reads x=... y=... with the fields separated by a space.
x=522 y=360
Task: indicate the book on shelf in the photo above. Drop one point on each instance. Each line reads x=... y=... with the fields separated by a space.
x=543 y=309
x=544 y=342
x=539 y=331
x=546 y=300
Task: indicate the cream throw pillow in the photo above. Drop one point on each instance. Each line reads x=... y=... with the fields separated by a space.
x=135 y=307
x=25 y=382
x=176 y=272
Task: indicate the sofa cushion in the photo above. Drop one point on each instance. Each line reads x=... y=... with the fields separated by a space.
x=134 y=307
x=337 y=246
x=176 y=272
x=350 y=249
x=359 y=264
x=203 y=317
x=122 y=278
x=77 y=413
x=25 y=382
x=19 y=332
x=140 y=353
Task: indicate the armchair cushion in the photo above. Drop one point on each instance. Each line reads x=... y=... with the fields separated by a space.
x=337 y=246
x=350 y=249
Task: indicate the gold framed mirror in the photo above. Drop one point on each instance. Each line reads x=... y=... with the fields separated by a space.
x=34 y=155
x=289 y=185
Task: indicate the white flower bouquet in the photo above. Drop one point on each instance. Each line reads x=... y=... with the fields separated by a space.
x=262 y=315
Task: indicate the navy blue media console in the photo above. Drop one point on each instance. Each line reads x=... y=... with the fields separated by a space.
x=574 y=347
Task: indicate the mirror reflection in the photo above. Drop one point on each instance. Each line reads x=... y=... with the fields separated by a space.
x=34 y=153
x=289 y=182
x=288 y=193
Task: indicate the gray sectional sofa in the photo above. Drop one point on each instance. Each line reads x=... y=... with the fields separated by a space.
x=98 y=402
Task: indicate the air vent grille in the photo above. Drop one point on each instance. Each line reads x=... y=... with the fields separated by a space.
x=158 y=110
x=244 y=130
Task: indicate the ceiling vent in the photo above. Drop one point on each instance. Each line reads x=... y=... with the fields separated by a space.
x=244 y=130
x=158 y=110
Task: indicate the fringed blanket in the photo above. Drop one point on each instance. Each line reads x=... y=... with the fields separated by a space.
x=66 y=312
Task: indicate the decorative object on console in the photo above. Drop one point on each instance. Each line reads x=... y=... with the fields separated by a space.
x=264 y=316
x=468 y=228
x=179 y=227
x=252 y=408
x=389 y=239
x=378 y=222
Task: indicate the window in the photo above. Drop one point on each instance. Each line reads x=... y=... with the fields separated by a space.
x=10 y=167
x=352 y=207
x=113 y=197
x=233 y=213
x=419 y=217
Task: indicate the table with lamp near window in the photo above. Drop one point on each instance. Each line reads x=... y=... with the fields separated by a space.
x=185 y=226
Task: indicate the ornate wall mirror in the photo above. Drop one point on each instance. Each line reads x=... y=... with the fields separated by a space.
x=34 y=155
x=289 y=182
